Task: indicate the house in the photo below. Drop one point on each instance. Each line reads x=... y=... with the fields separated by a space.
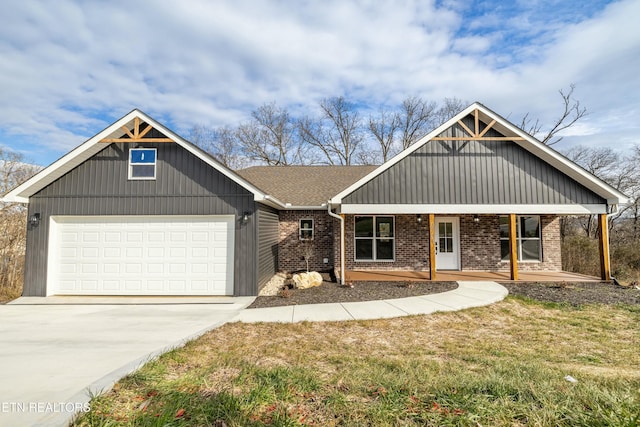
x=138 y=210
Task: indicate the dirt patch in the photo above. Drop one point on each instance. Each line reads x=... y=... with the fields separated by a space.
x=576 y=293
x=330 y=292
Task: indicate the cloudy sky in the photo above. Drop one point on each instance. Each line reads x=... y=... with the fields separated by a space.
x=69 y=68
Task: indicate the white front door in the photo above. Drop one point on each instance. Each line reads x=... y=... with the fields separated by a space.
x=447 y=243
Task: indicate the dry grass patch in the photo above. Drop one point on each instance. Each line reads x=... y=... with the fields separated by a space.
x=498 y=365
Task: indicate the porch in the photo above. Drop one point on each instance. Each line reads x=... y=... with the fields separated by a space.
x=453 y=276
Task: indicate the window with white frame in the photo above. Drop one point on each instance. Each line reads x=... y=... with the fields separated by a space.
x=528 y=239
x=374 y=238
x=142 y=163
x=306 y=229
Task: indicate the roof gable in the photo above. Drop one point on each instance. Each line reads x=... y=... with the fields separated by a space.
x=478 y=123
x=136 y=126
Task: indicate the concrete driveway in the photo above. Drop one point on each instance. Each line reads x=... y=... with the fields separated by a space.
x=52 y=355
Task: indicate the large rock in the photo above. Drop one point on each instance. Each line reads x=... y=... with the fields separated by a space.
x=307 y=280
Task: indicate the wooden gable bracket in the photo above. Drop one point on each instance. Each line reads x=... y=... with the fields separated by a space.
x=136 y=136
x=476 y=135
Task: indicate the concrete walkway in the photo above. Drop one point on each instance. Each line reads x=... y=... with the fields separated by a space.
x=468 y=294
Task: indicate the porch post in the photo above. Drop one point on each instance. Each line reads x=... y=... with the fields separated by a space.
x=605 y=262
x=343 y=252
x=432 y=246
x=513 y=248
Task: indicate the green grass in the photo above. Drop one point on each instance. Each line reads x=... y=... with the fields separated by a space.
x=499 y=365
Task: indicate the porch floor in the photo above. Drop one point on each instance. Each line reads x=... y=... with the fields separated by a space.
x=453 y=276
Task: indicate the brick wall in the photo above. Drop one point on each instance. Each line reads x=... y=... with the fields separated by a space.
x=411 y=246
x=291 y=249
x=479 y=245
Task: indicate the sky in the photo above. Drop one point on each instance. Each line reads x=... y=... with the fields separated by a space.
x=68 y=69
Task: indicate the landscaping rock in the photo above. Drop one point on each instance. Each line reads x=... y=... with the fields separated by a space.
x=307 y=280
x=273 y=286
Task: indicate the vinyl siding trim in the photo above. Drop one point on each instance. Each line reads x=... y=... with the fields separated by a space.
x=559 y=209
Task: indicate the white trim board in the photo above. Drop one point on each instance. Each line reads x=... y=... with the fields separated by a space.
x=371 y=209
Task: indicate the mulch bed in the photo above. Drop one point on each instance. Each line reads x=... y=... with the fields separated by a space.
x=573 y=293
x=576 y=293
x=362 y=291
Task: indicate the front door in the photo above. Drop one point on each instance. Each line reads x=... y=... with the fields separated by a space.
x=447 y=243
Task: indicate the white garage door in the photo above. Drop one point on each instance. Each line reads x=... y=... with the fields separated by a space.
x=150 y=255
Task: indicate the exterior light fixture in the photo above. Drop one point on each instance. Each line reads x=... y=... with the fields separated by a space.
x=34 y=219
x=419 y=218
x=245 y=217
x=476 y=218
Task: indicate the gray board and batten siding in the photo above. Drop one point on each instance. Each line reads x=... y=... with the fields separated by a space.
x=472 y=172
x=184 y=185
x=268 y=238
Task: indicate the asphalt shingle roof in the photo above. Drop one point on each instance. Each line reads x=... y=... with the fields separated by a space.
x=304 y=185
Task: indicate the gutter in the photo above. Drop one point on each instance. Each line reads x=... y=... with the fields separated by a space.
x=342 y=257
x=289 y=206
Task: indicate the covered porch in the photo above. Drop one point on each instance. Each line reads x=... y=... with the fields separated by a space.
x=454 y=276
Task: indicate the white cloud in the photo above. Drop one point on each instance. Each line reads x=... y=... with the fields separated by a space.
x=69 y=68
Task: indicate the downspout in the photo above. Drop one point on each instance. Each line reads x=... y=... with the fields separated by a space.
x=342 y=258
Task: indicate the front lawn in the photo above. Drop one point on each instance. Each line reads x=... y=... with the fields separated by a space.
x=504 y=364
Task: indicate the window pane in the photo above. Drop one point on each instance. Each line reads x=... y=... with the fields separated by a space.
x=448 y=248
x=530 y=250
x=504 y=250
x=364 y=226
x=306 y=234
x=384 y=226
x=143 y=156
x=530 y=226
x=143 y=171
x=364 y=249
x=306 y=223
x=384 y=249
x=504 y=226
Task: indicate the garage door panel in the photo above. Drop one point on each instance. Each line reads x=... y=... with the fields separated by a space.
x=135 y=256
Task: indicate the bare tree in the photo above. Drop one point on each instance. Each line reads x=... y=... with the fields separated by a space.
x=618 y=171
x=337 y=133
x=384 y=127
x=271 y=137
x=572 y=112
x=417 y=117
x=449 y=108
x=221 y=143
x=13 y=217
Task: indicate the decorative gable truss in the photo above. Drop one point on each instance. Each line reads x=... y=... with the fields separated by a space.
x=135 y=135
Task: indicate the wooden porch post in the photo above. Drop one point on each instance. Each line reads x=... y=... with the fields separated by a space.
x=513 y=248
x=605 y=267
x=432 y=246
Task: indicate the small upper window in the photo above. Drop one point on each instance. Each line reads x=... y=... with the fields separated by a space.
x=306 y=229
x=142 y=163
